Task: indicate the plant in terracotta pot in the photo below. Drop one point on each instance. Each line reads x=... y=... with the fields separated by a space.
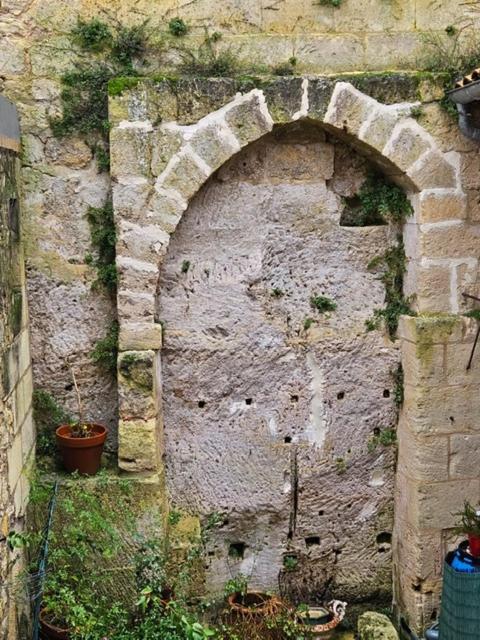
x=469 y=524
x=81 y=443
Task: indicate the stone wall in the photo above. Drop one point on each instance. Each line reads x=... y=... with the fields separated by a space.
x=16 y=424
x=61 y=178
x=273 y=425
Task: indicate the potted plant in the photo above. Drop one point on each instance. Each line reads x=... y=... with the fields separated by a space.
x=88 y=541
x=469 y=525
x=81 y=443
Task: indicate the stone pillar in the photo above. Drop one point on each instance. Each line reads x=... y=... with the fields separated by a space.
x=439 y=446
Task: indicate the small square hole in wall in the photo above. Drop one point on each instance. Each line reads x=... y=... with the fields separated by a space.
x=237 y=550
x=287 y=439
x=294 y=398
x=386 y=393
x=201 y=404
x=312 y=541
x=340 y=395
x=248 y=401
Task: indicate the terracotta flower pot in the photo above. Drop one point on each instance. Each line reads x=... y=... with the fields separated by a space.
x=474 y=543
x=81 y=454
x=49 y=631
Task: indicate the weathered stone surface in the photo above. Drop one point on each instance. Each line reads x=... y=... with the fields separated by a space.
x=376 y=626
x=348 y=108
x=184 y=174
x=130 y=152
x=146 y=243
x=423 y=458
x=214 y=143
x=139 y=336
x=249 y=118
x=464 y=451
x=138 y=445
x=432 y=171
x=166 y=142
x=407 y=144
x=296 y=391
x=440 y=205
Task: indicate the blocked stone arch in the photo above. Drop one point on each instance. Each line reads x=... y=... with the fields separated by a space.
x=158 y=168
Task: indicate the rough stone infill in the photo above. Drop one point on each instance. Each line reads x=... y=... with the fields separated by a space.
x=438 y=437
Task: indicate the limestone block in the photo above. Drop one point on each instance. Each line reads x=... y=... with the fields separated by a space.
x=469 y=174
x=51 y=57
x=137 y=445
x=423 y=363
x=473 y=205
x=433 y=171
x=378 y=128
x=407 y=144
x=136 y=306
x=138 y=336
x=137 y=389
x=435 y=329
x=419 y=552
x=442 y=410
x=437 y=17
x=134 y=274
x=130 y=150
x=376 y=16
x=215 y=144
x=348 y=108
x=284 y=97
x=464 y=455
x=432 y=288
x=130 y=199
x=12 y=57
x=457 y=357
x=184 y=174
x=165 y=209
x=300 y=162
x=450 y=239
x=196 y=98
x=376 y=626
x=438 y=205
x=435 y=504
x=15 y=462
x=28 y=437
x=248 y=117
x=147 y=242
x=69 y=152
x=166 y=142
x=324 y=53
x=392 y=50
x=422 y=458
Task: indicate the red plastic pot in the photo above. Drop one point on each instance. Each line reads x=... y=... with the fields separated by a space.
x=82 y=454
x=49 y=631
x=474 y=544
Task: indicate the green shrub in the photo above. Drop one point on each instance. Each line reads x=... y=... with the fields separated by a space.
x=105 y=352
x=177 y=27
x=48 y=415
x=322 y=304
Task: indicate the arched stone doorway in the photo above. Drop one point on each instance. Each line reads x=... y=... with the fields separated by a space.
x=158 y=168
x=270 y=406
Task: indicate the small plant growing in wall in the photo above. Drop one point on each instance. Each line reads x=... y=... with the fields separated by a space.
x=382 y=437
x=177 y=27
x=329 y=3
x=307 y=323
x=392 y=267
x=185 y=266
x=105 y=352
x=277 y=293
x=102 y=230
x=322 y=304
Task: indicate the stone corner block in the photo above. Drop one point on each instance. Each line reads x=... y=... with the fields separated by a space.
x=138 y=448
x=431 y=329
x=348 y=108
x=130 y=151
x=140 y=336
x=184 y=174
x=433 y=171
x=248 y=117
x=407 y=144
